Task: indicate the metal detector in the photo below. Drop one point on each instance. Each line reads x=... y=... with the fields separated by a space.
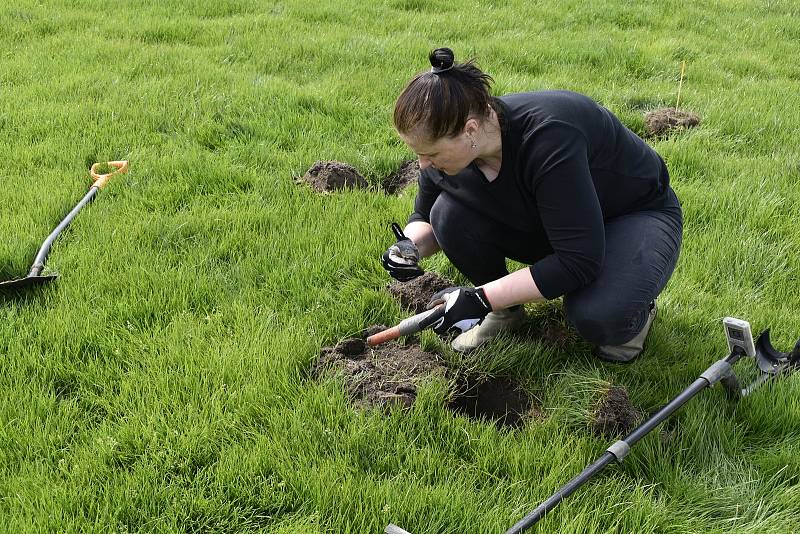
x=771 y=363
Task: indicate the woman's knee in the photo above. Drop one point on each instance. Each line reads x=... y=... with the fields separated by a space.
x=447 y=220
x=602 y=323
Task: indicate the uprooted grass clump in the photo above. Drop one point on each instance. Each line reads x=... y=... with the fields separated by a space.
x=613 y=414
x=415 y=294
x=326 y=176
x=663 y=121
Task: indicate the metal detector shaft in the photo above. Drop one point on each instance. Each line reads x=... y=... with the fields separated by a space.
x=621 y=448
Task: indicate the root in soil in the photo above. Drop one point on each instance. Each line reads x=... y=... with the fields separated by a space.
x=614 y=415
x=407 y=174
x=326 y=176
x=415 y=294
x=663 y=121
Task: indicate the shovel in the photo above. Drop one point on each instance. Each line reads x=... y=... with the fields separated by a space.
x=35 y=276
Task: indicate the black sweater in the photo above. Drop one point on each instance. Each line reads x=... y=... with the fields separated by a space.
x=568 y=165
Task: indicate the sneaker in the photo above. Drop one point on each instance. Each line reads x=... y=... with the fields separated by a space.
x=494 y=323
x=627 y=352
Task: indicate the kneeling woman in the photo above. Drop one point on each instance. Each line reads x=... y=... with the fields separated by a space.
x=550 y=179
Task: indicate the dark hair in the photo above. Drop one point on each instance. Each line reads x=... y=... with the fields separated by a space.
x=443 y=99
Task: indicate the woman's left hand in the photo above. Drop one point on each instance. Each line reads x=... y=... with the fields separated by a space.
x=465 y=307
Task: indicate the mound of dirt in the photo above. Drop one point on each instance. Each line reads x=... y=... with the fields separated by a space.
x=389 y=374
x=378 y=377
x=327 y=176
x=415 y=294
x=614 y=414
x=407 y=174
x=663 y=121
x=496 y=399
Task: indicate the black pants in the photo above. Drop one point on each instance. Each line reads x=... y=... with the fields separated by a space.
x=642 y=249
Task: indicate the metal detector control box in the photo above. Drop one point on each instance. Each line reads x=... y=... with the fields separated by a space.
x=739 y=335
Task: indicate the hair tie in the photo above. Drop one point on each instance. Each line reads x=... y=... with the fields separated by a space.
x=439 y=70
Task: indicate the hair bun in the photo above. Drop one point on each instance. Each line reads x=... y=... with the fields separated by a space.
x=441 y=60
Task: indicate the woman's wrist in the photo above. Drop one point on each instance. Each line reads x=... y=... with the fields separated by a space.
x=512 y=289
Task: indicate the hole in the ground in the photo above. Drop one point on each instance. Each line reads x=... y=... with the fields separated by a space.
x=497 y=399
x=390 y=373
x=405 y=175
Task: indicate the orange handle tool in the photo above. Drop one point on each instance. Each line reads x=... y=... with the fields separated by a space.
x=412 y=325
x=100 y=180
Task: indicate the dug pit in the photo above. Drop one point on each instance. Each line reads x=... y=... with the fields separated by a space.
x=614 y=415
x=326 y=176
x=415 y=294
x=389 y=375
x=663 y=121
x=407 y=174
x=497 y=399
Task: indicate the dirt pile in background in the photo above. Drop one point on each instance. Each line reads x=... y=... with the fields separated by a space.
x=663 y=121
x=614 y=415
x=407 y=174
x=325 y=176
x=415 y=294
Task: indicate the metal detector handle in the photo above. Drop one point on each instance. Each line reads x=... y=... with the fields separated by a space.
x=412 y=325
x=100 y=180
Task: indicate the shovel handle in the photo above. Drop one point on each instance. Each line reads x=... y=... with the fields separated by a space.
x=100 y=180
x=384 y=336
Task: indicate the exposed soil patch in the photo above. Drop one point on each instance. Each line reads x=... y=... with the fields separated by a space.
x=415 y=294
x=382 y=376
x=407 y=174
x=496 y=399
x=663 y=121
x=327 y=176
x=389 y=374
x=614 y=415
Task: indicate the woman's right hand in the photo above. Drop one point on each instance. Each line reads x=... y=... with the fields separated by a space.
x=401 y=260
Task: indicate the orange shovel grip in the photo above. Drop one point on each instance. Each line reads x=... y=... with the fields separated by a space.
x=100 y=180
x=383 y=336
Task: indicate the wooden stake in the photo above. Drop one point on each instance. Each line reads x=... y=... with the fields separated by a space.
x=680 y=84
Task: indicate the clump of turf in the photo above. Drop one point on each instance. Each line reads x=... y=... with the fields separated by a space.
x=663 y=121
x=326 y=176
x=613 y=414
x=415 y=294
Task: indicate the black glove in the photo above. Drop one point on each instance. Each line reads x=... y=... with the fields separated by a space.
x=401 y=259
x=464 y=308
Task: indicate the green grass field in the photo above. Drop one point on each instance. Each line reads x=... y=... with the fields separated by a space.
x=161 y=384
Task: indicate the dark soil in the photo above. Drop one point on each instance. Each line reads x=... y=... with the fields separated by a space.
x=327 y=176
x=496 y=399
x=407 y=174
x=415 y=294
x=615 y=415
x=389 y=374
x=663 y=121
x=379 y=377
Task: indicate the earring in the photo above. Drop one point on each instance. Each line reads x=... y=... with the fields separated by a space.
x=473 y=143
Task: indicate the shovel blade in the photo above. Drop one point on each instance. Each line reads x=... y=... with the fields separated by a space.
x=25 y=283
